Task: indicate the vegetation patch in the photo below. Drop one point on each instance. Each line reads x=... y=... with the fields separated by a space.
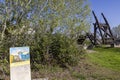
x=106 y=57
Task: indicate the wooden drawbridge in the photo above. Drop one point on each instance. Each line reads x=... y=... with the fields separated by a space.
x=102 y=33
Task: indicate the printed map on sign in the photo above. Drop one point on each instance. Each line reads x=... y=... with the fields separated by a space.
x=20 y=63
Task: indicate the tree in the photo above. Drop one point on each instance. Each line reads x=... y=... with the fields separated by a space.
x=44 y=25
x=64 y=19
x=116 y=31
x=53 y=15
x=66 y=16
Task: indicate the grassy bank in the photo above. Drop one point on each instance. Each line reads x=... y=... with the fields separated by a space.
x=96 y=64
x=106 y=57
x=99 y=64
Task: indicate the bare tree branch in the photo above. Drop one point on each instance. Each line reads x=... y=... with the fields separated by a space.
x=43 y=7
x=28 y=3
x=2 y=35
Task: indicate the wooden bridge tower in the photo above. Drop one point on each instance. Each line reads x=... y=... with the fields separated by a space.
x=103 y=31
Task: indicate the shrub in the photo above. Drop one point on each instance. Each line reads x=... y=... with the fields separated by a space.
x=60 y=50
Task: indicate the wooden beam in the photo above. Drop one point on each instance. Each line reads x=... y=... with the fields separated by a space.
x=108 y=25
x=98 y=25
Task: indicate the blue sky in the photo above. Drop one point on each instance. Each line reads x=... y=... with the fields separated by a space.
x=110 y=8
x=15 y=50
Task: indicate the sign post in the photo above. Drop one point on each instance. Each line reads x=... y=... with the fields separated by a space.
x=20 y=63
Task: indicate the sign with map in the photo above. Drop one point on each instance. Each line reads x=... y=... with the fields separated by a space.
x=20 y=63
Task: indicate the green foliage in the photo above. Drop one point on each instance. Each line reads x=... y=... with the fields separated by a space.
x=49 y=27
x=63 y=50
x=55 y=50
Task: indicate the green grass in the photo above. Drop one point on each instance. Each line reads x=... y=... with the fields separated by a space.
x=106 y=57
x=78 y=76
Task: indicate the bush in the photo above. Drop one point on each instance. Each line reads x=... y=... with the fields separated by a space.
x=47 y=48
x=60 y=50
